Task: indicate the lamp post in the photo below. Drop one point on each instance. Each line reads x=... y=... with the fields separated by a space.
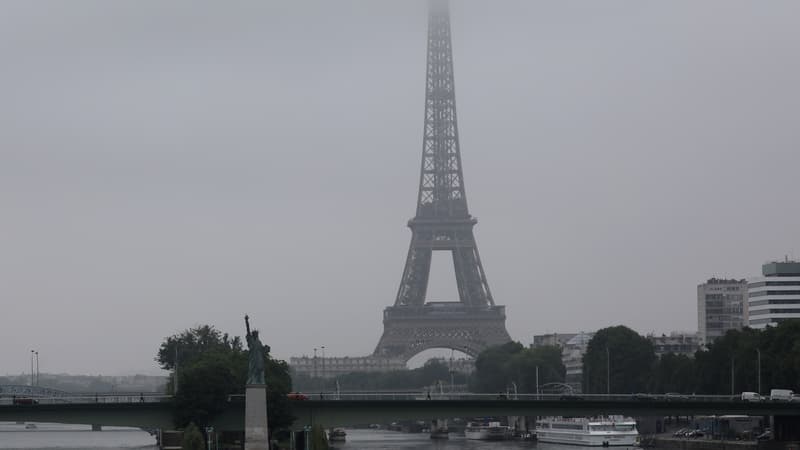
x=608 y=372
x=323 y=365
x=37 y=367
x=732 y=377
x=315 y=362
x=32 y=352
x=758 y=352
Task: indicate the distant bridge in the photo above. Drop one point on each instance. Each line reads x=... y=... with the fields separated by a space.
x=22 y=390
x=353 y=409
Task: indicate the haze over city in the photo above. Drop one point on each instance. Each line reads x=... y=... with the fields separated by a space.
x=169 y=165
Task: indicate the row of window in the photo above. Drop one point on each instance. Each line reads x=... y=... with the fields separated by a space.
x=761 y=312
x=774 y=283
x=763 y=293
x=787 y=301
x=769 y=320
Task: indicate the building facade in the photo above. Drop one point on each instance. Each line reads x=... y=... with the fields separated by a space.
x=573 y=347
x=331 y=367
x=775 y=296
x=721 y=306
x=678 y=342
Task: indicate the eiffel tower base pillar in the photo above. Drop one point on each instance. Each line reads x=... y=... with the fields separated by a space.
x=256 y=430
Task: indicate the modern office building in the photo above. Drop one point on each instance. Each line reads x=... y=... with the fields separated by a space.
x=774 y=297
x=721 y=306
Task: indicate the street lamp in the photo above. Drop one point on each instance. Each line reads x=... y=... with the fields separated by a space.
x=315 y=362
x=32 y=352
x=323 y=365
x=37 y=367
x=758 y=352
x=608 y=372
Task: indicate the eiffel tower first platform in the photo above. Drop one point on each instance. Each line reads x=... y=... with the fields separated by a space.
x=442 y=223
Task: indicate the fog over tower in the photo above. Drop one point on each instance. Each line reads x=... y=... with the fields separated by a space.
x=442 y=223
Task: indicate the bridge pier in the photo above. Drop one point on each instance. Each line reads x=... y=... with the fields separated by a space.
x=785 y=428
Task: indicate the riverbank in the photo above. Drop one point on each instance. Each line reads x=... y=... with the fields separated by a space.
x=673 y=443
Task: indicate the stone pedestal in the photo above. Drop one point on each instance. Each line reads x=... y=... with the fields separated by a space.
x=256 y=436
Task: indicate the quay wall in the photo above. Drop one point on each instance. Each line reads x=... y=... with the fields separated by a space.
x=670 y=443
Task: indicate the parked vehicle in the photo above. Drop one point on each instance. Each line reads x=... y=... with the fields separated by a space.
x=296 y=396
x=781 y=395
x=752 y=397
x=681 y=432
x=671 y=396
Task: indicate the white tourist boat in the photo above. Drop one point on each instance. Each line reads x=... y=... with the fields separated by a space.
x=592 y=432
x=487 y=431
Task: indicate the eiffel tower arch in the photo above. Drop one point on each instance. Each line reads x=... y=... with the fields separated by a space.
x=442 y=223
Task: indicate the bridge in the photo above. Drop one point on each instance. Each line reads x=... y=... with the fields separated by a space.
x=353 y=409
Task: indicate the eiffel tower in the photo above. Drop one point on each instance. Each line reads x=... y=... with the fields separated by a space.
x=442 y=223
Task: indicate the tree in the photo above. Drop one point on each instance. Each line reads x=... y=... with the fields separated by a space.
x=620 y=358
x=496 y=368
x=673 y=373
x=192 y=438
x=193 y=342
x=211 y=367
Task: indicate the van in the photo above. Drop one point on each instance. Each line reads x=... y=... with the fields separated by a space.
x=751 y=397
x=781 y=395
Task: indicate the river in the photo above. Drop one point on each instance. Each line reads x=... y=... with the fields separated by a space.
x=80 y=437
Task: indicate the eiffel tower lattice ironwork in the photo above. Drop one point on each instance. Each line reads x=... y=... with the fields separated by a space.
x=442 y=223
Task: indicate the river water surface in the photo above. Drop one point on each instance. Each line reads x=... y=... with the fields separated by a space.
x=80 y=437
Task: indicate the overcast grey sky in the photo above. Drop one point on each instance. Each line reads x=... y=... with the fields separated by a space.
x=169 y=164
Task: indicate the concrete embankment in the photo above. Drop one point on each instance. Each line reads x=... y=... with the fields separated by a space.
x=670 y=443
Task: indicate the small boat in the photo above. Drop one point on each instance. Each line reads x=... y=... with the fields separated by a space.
x=591 y=432
x=337 y=435
x=487 y=431
x=30 y=426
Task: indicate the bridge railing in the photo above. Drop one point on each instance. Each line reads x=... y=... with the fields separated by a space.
x=508 y=396
x=114 y=397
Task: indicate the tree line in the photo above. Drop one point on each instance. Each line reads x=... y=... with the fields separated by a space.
x=621 y=361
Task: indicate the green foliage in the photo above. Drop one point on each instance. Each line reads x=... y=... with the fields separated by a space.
x=673 y=373
x=780 y=360
x=192 y=438
x=192 y=343
x=496 y=368
x=635 y=369
x=631 y=357
x=213 y=367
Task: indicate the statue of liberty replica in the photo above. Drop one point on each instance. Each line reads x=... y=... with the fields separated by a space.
x=255 y=369
x=256 y=430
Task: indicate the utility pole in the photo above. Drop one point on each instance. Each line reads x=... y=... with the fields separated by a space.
x=323 y=366
x=758 y=352
x=175 y=387
x=608 y=372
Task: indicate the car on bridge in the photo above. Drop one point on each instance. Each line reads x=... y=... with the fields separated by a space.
x=24 y=401
x=296 y=396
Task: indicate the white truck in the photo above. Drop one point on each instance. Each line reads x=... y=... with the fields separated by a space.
x=782 y=395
